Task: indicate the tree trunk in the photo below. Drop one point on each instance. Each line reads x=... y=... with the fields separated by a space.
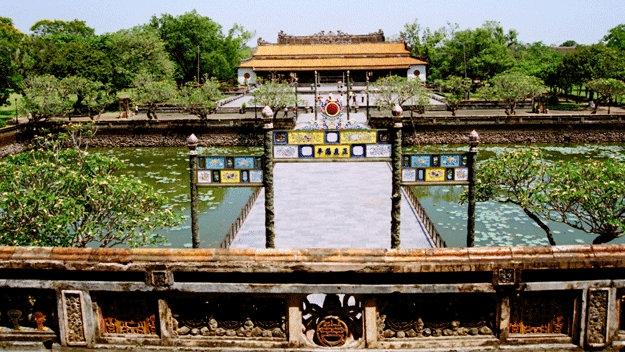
x=542 y=225
x=606 y=237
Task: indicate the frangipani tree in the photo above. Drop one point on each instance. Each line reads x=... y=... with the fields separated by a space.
x=511 y=88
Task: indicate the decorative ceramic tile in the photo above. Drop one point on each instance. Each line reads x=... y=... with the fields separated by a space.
x=306 y=137
x=408 y=175
x=358 y=151
x=244 y=162
x=420 y=160
x=285 y=152
x=230 y=176
x=358 y=137
x=256 y=176
x=215 y=162
x=434 y=174
x=461 y=174
x=306 y=151
x=332 y=151
x=378 y=151
x=450 y=160
x=332 y=137
x=280 y=137
x=204 y=176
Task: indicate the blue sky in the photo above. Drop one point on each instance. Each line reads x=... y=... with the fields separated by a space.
x=551 y=21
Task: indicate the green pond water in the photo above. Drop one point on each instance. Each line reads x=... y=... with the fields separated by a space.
x=504 y=224
x=167 y=170
x=496 y=224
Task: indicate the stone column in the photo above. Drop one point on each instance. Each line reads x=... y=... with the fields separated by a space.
x=396 y=178
x=192 y=143
x=474 y=141
x=268 y=177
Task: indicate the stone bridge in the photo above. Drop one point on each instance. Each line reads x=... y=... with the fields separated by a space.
x=521 y=298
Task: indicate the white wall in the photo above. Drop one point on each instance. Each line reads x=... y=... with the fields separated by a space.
x=241 y=76
x=412 y=72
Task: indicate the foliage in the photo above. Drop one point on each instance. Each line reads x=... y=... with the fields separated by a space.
x=616 y=37
x=190 y=34
x=393 y=90
x=201 y=99
x=91 y=96
x=276 y=95
x=539 y=60
x=457 y=88
x=57 y=196
x=512 y=87
x=589 y=196
x=590 y=62
x=151 y=92
x=422 y=42
x=10 y=41
x=481 y=52
x=607 y=89
x=134 y=51
x=46 y=96
x=518 y=177
x=66 y=48
x=569 y=43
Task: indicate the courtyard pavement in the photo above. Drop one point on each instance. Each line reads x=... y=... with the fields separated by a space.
x=331 y=205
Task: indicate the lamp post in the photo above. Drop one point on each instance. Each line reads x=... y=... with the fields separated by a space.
x=268 y=177
x=16 y=117
x=192 y=143
x=396 y=177
x=474 y=141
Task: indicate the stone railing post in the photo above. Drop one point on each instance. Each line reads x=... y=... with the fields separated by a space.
x=77 y=321
x=396 y=178
x=192 y=143
x=371 y=322
x=268 y=178
x=294 y=320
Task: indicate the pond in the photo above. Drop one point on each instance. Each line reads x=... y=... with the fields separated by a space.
x=167 y=170
x=497 y=224
x=504 y=224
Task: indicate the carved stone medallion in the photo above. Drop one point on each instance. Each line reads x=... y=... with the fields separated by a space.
x=332 y=332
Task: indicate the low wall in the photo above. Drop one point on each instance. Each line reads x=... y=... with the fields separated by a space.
x=521 y=298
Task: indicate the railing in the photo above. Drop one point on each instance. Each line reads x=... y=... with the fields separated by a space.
x=380 y=118
x=428 y=224
x=236 y=225
x=521 y=298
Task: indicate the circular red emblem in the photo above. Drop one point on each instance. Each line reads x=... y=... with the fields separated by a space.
x=332 y=109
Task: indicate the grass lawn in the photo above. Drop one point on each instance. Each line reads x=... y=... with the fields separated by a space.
x=7 y=112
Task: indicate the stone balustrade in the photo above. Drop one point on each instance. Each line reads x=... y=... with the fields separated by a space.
x=526 y=298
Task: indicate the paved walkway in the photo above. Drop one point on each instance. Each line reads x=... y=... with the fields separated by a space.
x=331 y=205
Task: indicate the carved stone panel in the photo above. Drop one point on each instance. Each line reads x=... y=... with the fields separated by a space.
x=444 y=315
x=597 y=318
x=73 y=318
x=28 y=312
x=336 y=322
x=542 y=313
x=229 y=317
x=126 y=314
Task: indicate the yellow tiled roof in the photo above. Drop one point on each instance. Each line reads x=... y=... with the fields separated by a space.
x=361 y=63
x=387 y=48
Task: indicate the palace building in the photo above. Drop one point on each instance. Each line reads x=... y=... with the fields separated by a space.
x=331 y=55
